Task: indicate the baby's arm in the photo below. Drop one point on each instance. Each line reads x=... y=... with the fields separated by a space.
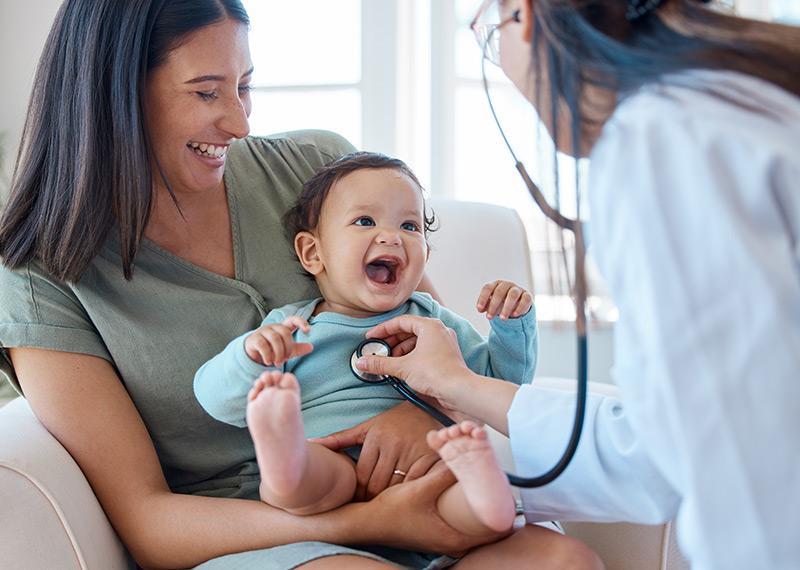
x=511 y=350
x=221 y=385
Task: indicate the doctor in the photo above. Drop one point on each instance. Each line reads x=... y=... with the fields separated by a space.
x=691 y=119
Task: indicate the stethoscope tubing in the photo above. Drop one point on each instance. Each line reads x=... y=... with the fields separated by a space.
x=524 y=482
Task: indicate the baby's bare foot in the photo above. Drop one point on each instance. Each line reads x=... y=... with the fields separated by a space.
x=466 y=449
x=273 y=416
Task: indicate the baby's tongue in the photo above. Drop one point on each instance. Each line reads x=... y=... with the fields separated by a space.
x=378 y=273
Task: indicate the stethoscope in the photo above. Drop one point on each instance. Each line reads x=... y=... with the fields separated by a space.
x=381 y=348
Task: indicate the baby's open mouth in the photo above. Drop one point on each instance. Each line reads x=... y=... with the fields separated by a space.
x=383 y=270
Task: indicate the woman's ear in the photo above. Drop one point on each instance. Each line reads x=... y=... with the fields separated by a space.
x=524 y=13
x=307 y=248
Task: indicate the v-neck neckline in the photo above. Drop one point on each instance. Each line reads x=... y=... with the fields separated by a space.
x=233 y=215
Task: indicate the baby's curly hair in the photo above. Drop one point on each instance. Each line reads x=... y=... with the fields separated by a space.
x=305 y=214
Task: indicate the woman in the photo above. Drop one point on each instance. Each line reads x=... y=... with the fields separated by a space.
x=139 y=237
x=691 y=119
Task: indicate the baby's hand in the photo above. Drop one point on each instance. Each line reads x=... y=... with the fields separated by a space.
x=504 y=298
x=273 y=344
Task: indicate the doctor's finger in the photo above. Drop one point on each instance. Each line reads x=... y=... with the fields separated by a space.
x=405 y=347
x=524 y=304
x=403 y=324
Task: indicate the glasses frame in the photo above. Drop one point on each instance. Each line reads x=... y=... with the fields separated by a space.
x=486 y=34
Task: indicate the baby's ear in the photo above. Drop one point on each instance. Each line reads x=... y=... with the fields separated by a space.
x=306 y=247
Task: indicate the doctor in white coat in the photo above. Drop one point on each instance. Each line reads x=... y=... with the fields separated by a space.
x=691 y=119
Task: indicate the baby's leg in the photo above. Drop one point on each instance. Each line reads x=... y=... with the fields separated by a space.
x=481 y=501
x=299 y=477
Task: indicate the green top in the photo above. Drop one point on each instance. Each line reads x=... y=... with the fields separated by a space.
x=173 y=316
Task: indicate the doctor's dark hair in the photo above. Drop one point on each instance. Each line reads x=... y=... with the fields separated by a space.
x=83 y=168
x=304 y=215
x=579 y=44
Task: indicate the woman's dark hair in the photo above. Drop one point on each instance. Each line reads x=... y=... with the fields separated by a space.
x=304 y=215
x=579 y=44
x=84 y=164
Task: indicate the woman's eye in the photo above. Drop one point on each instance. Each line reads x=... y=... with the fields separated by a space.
x=410 y=226
x=365 y=221
x=245 y=88
x=207 y=95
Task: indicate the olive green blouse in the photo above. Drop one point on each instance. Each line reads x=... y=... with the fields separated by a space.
x=160 y=327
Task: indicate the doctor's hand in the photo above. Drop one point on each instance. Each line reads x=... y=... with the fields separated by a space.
x=273 y=344
x=433 y=367
x=394 y=439
x=505 y=299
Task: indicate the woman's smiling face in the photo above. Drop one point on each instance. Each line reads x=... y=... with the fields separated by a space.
x=197 y=102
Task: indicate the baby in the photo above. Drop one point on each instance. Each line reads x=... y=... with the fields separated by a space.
x=359 y=229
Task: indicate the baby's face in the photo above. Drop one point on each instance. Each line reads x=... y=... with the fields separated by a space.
x=371 y=242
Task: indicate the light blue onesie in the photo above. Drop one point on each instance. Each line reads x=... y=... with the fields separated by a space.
x=332 y=398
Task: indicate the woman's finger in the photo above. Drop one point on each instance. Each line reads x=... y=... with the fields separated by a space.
x=349 y=437
x=364 y=467
x=421 y=466
x=382 y=472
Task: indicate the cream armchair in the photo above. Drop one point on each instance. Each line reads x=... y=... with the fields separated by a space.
x=50 y=519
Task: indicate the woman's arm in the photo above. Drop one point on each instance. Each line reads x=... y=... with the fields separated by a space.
x=436 y=368
x=95 y=420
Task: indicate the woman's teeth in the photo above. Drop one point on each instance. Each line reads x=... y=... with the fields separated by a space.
x=204 y=149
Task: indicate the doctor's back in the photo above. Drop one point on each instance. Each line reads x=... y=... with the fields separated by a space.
x=695 y=225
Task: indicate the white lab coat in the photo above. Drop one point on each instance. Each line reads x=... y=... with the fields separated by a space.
x=695 y=205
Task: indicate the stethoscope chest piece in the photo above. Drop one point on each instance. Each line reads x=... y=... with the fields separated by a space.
x=369 y=347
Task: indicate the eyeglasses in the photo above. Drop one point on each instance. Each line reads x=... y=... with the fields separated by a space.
x=485 y=25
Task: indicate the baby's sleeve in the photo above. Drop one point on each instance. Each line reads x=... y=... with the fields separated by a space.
x=221 y=384
x=510 y=352
x=37 y=311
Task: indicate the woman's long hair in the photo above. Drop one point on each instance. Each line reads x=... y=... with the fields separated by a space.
x=84 y=163
x=578 y=44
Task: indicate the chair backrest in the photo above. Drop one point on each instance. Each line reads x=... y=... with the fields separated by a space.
x=476 y=243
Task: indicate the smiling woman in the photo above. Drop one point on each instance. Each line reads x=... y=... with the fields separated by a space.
x=142 y=233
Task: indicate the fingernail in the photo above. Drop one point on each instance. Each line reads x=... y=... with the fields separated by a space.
x=361 y=363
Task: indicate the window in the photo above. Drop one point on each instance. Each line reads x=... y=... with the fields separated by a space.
x=403 y=77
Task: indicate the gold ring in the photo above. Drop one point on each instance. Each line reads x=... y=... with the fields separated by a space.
x=400 y=472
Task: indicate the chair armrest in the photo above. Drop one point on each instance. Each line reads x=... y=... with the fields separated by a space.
x=48 y=512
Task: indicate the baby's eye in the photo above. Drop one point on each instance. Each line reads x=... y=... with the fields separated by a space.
x=410 y=226
x=364 y=221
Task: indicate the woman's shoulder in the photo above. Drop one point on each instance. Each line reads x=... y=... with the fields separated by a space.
x=295 y=149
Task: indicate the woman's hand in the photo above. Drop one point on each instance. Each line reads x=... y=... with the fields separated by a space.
x=392 y=440
x=432 y=366
x=406 y=516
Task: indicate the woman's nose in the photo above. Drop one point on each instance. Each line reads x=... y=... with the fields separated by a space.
x=235 y=121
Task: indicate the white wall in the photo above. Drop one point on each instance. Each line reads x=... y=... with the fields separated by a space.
x=23 y=29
